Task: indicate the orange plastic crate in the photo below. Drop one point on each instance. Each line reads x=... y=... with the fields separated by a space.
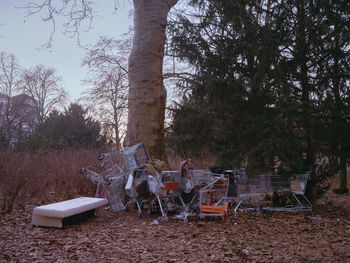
x=171 y=186
x=212 y=209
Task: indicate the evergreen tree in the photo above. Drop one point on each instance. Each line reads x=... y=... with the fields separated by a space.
x=264 y=78
x=235 y=48
x=333 y=77
x=73 y=128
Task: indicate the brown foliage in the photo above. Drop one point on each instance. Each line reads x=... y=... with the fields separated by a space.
x=42 y=177
x=124 y=237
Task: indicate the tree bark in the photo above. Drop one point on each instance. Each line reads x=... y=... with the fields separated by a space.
x=302 y=57
x=343 y=183
x=147 y=95
x=339 y=109
x=116 y=133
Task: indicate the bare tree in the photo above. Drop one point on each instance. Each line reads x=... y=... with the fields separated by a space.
x=108 y=98
x=109 y=53
x=43 y=85
x=147 y=95
x=79 y=13
x=108 y=94
x=10 y=74
x=23 y=118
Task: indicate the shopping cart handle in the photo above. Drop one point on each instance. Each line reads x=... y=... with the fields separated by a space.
x=101 y=157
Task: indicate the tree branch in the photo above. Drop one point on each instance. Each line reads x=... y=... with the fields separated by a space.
x=76 y=12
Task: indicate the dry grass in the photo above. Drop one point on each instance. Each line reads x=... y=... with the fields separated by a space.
x=43 y=176
x=203 y=161
x=49 y=176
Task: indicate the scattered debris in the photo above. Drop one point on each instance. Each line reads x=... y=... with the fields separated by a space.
x=160 y=220
x=314 y=217
x=130 y=177
x=155 y=222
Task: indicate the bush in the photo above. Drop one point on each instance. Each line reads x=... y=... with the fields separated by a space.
x=43 y=177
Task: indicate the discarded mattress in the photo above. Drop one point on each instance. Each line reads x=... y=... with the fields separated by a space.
x=54 y=214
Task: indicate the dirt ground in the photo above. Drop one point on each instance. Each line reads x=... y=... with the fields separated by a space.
x=123 y=237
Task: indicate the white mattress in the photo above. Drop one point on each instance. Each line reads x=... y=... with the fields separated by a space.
x=69 y=207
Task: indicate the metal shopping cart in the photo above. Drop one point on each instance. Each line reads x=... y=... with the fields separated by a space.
x=291 y=189
x=110 y=181
x=196 y=192
x=112 y=173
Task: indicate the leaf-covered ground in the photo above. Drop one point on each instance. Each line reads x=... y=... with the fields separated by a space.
x=123 y=237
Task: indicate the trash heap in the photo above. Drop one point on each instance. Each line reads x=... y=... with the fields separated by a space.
x=115 y=174
x=131 y=177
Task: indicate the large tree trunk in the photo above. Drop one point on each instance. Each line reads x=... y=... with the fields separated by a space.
x=147 y=95
x=339 y=109
x=343 y=183
x=302 y=58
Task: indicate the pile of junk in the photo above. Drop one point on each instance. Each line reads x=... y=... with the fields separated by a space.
x=130 y=178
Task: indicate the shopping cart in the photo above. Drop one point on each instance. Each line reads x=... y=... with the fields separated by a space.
x=110 y=181
x=134 y=179
x=211 y=198
x=112 y=173
x=171 y=191
x=253 y=190
x=291 y=189
x=134 y=156
x=195 y=193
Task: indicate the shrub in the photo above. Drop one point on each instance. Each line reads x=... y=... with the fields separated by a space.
x=43 y=177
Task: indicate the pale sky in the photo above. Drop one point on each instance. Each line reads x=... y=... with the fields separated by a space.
x=22 y=36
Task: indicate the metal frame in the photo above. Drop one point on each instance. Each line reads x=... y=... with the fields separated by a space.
x=294 y=193
x=214 y=191
x=291 y=187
